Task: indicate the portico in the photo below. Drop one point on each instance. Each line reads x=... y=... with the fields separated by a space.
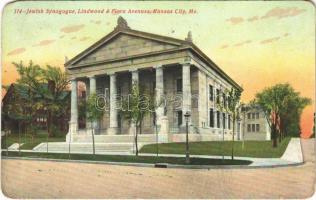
x=175 y=71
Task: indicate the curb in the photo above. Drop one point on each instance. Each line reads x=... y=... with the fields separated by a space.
x=157 y=165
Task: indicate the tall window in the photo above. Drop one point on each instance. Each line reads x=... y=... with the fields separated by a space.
x=211 y=118
x=211 y=94
x=217 y=96
x=224 y=100
x=257 y=127
x=257 y=115
x=179 y=85
x=248 y=127
x=228 y=121
x=249 y=115
x=179 y=118
x=224 y=121
x=253 y=115
x=218 y=119
x=253 y=127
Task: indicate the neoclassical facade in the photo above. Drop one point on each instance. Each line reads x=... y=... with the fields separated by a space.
x=175 y=69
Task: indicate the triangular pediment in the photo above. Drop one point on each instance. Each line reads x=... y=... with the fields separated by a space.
x=124 y=45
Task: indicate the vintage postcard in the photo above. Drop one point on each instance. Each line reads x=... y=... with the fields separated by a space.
x=158 y=99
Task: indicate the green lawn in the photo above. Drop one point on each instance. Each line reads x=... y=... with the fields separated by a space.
x=27 y=140
x=130 y=159
x=258 y=149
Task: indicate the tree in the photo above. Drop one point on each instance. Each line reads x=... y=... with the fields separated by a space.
x=54 y=96
x=95 y=112
x=135 y=107
x=233 y=109
x=281 y=105
x=222 y=107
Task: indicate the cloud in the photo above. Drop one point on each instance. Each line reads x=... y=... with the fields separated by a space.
x=252 y=19
x=266 y=41
x=224 y=46
x=95 y=22
x=235 y=20
x=84 y=38
x=62 y=36
x=283 y=12
x=74 y=37
x=242 y=43
x=286 y=34
x=16 y=51
x=44 y=43
x=73 y=28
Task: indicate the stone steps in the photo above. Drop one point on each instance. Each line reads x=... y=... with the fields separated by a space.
x=84 y=147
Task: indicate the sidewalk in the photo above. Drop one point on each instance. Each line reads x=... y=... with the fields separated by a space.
x=291 y=156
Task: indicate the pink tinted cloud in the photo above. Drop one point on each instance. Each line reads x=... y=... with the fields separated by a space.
x=242 y=43
x=235 y=20
x=283 y=12
x=269 y=40
x=73 y=28
x=252 y=19
x=16 y=51
x=44 y=43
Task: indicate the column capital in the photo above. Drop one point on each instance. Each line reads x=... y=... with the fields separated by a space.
x=111 y=73
x=185 y=63
x=158 y=66
x=133 y=70
x=91 y=76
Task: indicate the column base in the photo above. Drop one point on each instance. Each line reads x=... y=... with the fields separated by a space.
x=112 y=131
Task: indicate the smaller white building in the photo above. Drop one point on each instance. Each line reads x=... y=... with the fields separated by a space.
x=254 y=124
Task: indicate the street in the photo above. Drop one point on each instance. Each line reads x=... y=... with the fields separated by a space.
x=47 y=179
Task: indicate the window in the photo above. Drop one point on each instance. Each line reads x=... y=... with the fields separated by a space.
x=218 y=119
x=257 y=127
x=257 y=115
x=179 y=85
x=224 y=100
x=224 y=121
x=179 y=113
x=228 y=121
x=217 y=96
x=253 y=115
x=211 y=95
x=211 y=118
x=253 y=127
x=249 y=115
x=248 y=127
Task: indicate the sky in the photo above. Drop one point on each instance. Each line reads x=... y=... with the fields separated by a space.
x=256 y=43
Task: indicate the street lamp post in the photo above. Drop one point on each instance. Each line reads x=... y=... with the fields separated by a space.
x=187 y=153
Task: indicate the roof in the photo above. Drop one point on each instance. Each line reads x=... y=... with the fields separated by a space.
x=182 y=44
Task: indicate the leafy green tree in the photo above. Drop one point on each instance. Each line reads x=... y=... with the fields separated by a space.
x=281 y=105
x=135 y=107
x=233 y=109
x=95 y=111
x=55 y=96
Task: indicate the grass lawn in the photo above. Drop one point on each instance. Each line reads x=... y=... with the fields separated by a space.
x=130 y=159
x=258 y=149
x=27 y=140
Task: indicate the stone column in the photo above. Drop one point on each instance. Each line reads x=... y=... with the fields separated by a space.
x=186 y=90
x=93 y=90
x=214 y=106
x=135 y=78
x=87 y=83
x=159 y=94
x=113 y=129
x=161 y=120
x=74 y=108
